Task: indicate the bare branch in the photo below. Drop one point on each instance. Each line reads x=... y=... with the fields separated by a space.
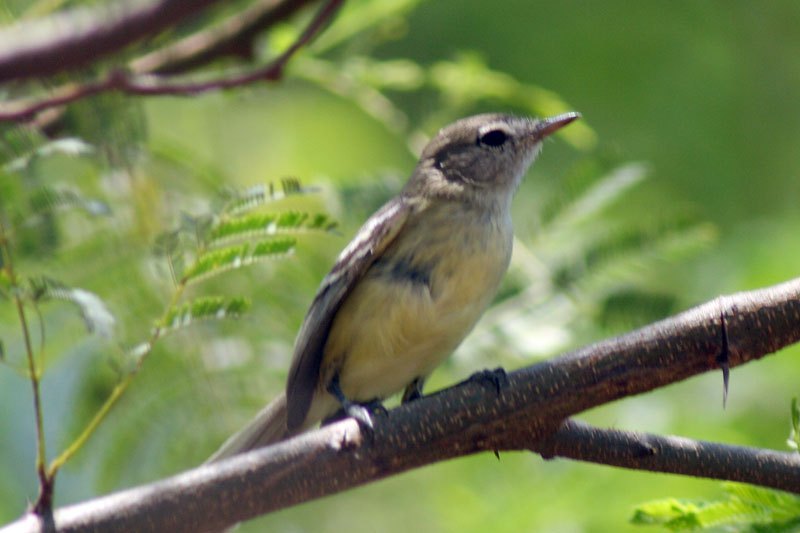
x=674 y=455
x=75 y=38
x=234 y=36
x=470 y=418
x=161 y=85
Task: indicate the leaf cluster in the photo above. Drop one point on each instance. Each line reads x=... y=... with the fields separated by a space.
x=743 y=508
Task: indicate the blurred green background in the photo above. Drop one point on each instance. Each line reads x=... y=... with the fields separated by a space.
x=702 y=94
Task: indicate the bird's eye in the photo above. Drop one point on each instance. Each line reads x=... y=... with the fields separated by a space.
x=493 y=138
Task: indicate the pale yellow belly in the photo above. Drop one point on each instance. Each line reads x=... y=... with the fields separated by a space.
x=390 y=332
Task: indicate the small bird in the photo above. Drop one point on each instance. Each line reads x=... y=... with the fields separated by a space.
x=412 y=283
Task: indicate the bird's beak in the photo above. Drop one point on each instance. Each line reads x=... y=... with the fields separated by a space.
x=550 y=125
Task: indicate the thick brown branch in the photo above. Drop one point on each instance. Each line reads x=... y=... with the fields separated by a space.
x=234 y=36
x=465 y=419
x=157 y=85
x=675 y=455
x=75 y=38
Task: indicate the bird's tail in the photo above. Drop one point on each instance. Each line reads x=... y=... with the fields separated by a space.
x=268 y=427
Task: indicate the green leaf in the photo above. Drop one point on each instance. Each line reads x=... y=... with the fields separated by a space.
x=745 y=508
x=259 y=224
x=206 y=308
x=673 y=513
x=96 y=316
x=777 y=505
x=218 y=261
x=238 y=202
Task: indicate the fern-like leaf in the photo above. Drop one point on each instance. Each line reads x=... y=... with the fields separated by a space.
x=222 y=260
x=672 y=513
x=745 y=508
x=260 y=224
x=238 y=202
x=207 y=308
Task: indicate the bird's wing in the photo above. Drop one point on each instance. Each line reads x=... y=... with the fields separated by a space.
x=354 y=261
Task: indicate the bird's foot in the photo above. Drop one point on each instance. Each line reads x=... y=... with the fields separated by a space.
x=496 y=378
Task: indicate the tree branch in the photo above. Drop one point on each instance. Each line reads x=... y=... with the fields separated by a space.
x=75 y=38
x=234 y=36
x=473 y=417
x=151 y=85
x=674 y=455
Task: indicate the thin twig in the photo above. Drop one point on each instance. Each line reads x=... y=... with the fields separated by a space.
x=674 y=455
x=152 y=85
x=45 y=499
x=233 y=36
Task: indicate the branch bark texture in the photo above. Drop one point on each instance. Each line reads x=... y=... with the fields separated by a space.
x=527 y=412
x=675 y=455
x=155 y=85
x=75 y=38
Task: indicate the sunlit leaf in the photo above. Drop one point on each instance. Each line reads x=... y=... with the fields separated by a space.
x=781 y=506
x=207 y=308
x=238 y=202
x=745 y=507
x=259 y=224
x=673 y=513
x=221 y=260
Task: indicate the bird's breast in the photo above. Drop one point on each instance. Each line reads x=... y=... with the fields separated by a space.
x=417 y=302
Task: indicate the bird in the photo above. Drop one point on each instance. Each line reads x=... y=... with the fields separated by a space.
x=412 y=283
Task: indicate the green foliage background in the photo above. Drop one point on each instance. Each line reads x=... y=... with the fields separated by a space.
x=704 y=93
